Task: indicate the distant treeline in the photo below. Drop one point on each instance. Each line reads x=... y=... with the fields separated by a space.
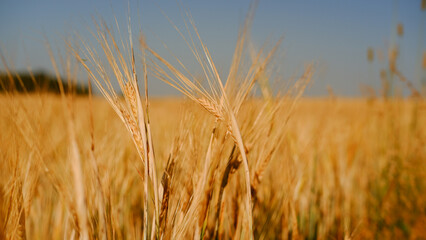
x=38 y=82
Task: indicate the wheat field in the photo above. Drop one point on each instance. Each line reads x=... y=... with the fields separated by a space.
x=337 y=169
x=232 y=159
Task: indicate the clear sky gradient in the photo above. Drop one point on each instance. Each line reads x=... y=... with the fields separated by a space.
x=334 y=34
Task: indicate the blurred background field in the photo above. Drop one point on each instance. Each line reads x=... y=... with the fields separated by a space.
x=346 y=168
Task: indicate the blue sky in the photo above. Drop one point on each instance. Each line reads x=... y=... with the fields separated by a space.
x=334 y=34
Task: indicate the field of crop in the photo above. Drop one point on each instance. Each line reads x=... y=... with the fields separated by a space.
x=338 y=168
x=234 y=158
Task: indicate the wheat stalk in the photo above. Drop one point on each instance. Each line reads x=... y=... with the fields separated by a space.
x=131 y=114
